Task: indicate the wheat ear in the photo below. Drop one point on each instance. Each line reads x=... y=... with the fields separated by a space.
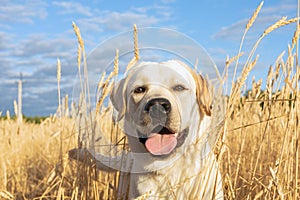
x=78 y=34
x=248 y=25
x=136 y=44
x=80 y=52
x=296 y=36
x=278 y=24
x=232 y=59
x=136 y=49
x=254 y=16
x=107 y=87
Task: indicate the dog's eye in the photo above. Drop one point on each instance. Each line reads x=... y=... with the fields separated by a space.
x=179 y=88
x=139 y=90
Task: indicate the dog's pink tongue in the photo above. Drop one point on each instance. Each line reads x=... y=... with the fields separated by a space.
x=161 y=144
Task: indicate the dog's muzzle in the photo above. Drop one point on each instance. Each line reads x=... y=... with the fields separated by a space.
x=162 y=141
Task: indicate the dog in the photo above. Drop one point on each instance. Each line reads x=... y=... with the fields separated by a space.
x=165 y=109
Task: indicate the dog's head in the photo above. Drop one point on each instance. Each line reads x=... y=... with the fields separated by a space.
x=158 y=101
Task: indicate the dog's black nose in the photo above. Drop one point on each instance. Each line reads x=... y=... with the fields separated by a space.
x=158 y=105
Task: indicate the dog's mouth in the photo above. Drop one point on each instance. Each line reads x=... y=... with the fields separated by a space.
x=162 y=141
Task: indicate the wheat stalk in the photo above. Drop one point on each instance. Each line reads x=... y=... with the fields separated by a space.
x=248 y=25
x=67 y=105
x=232 y=59
x=16 y=108
x=297 y=77
x=101 y=84
x=239 y=84
x=296 y=36
x=107 y=87
x=136 y=57
x=58 y=72
x=58 y=76
x=79 y=57
x=136 y=47
x=81 y=51
x=278 y=24
x=78 y=34
x=7 y=115
x=254 y=16
x=116 y=63
x=6 y=195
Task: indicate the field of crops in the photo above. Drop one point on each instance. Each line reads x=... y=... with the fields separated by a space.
x=258 y=148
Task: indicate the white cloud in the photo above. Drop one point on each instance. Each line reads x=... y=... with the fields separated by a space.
x=5 y=41
x=40 y=45
x=119 y=21
x=282 y=9
x=22 y=11
x=73 y=8
x=232 y=32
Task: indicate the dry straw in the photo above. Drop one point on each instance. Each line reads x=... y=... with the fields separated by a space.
x=296 y=36
x=245 y=72
x=248 y=26
x=16 y=108
x=81 y=51
x=58 y=76
x=254 y=16
x=136 y=49
x=232 y=59
x=108 y=84
x=7 y=115
x=278 y=24
x=101 y=84
x=79 y=57
x=78 y=34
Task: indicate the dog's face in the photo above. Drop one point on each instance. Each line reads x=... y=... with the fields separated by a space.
x=157 y=102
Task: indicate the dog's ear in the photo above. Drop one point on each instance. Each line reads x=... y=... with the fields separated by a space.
x=118 y=98
x=203 y=95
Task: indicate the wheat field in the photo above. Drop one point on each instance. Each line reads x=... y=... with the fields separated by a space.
x=258 y=148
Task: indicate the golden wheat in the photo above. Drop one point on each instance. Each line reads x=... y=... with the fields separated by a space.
x=107 y=87
x=78 y=34
x=278 y=24
x=254 y=16
x=258 y=153
x=136 y=57
x=248 y=26
x=232 y=59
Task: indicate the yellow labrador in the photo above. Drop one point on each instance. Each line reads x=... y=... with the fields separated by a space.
x=165 y=109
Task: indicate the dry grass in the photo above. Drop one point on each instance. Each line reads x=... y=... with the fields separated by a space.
x=258 y=148
x=30 y=156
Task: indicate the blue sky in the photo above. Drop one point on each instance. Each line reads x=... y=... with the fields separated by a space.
x=33 y=34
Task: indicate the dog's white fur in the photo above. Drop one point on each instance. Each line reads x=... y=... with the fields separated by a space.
x=190 y=171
